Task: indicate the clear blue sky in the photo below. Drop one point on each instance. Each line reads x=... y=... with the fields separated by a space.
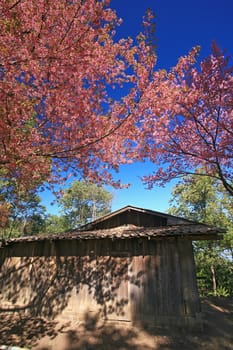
x=180 y=25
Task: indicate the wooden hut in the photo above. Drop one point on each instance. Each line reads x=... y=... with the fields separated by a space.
x=133 y=265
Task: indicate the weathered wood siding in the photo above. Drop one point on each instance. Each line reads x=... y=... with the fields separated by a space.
x=168 y=291
x=132 y=218
x=137 y=280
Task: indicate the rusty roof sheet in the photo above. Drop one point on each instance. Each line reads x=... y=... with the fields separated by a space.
x=193 y=231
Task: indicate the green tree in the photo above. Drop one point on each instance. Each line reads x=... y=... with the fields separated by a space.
x=21 y=211
x=56 y=223
x=84 y=201
x=204 y=199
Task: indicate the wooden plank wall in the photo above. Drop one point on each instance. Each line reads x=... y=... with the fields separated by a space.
x=124 y=280
x=169 y=284
x=134 y=218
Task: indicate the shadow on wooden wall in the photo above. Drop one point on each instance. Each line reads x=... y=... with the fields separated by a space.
x=36 y=290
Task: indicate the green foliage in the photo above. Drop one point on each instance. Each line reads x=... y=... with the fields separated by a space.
x=55 y=224
x=21 y=212
x=204 y=199
x=85 y=201
x=24 y=214
x=211 y=263
x=221 y=292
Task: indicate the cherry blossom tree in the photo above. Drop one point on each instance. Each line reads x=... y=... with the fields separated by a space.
x=59 y=66
x=188 y=120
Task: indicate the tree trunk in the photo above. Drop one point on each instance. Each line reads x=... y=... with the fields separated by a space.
x=214 y=282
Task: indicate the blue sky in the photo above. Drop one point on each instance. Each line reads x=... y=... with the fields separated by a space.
x=180 y=25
